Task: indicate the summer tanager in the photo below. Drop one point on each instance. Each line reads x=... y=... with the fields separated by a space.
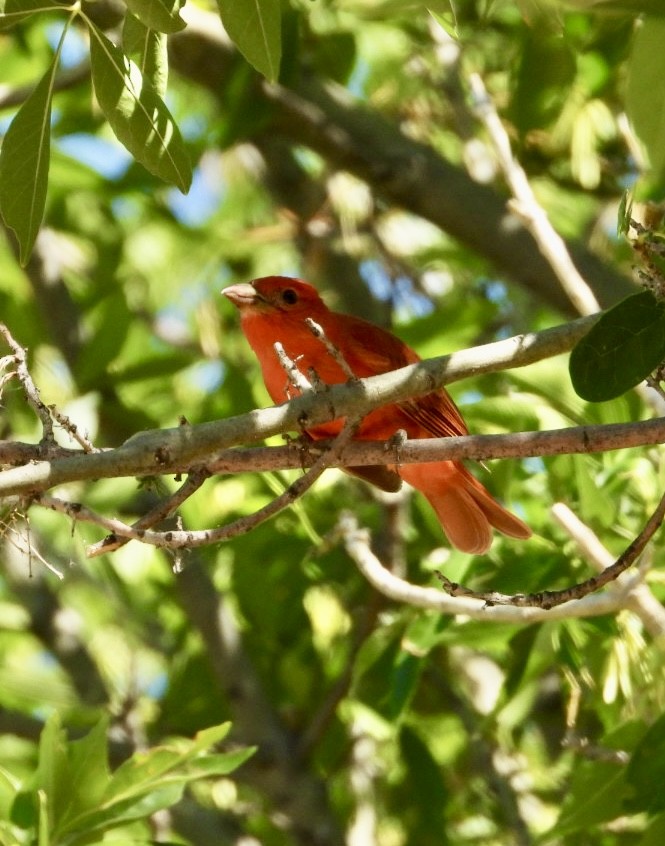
x=275 y=308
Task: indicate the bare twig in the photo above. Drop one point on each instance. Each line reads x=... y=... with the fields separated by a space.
x=295 y=378
x=191 y=539
x=22 y=541
x=527 y=208
x=550 y=598
x=356 y=541
x=72 y=430
x=149 y=452
x=334 y=351
x=29 y=388
x=637 y=596
x=160 y=512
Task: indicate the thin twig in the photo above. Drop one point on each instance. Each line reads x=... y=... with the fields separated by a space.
x=550 y=598
x=30 y=389
x=160 y=512
x=169 y=451
x=525 y=205
x=357 y=545
x=317 y=330
x=72 y=430
x=638 y=598
x=191 y=539
x=295 y=378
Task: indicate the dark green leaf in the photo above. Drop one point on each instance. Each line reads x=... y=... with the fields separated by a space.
x=646 y=771
x=159 y=15
x=622 y=349
x=111 y=319
x=425 y=781
x=403 y=683
x=655 y=832
x=255 y=28
x=136 y=114
x=24 y=163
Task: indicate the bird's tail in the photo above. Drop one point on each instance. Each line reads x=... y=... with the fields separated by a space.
x=466 y=510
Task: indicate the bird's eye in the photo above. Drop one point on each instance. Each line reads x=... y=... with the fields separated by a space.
x=290 y=297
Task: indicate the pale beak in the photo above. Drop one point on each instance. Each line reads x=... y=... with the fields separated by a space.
x=242 y=294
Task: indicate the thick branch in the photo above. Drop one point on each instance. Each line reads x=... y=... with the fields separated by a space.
x=172 y=450
x=77 y=466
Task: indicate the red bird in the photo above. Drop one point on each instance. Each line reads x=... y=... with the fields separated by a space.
x=275 y=308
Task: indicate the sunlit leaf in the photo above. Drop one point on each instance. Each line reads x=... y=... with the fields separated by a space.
x=148 y=48
x=137 y=115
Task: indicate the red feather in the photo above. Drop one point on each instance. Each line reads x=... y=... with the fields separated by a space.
x=274 y=309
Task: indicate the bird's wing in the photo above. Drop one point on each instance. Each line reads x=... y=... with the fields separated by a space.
x=437 y=414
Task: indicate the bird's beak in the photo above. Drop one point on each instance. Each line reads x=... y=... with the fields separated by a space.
x=242 y=294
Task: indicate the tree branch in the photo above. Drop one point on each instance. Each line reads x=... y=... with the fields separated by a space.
x=530 y=212
x=356 y=541
x=178 y=450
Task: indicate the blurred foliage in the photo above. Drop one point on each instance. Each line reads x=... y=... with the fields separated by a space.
x=375 y=723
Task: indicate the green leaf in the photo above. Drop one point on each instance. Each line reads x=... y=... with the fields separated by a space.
x=209 y=737
x=622 y=348
x=88 y=776
x=218 y=765
x=645 y=96
x=13 y=11
x=403 y=683
x=24 y=163
x=44 y=838
x=254 y=26
x=136 y=114
x=52 y=777
x=593 y=797
x=148 y=49
x=646 y=771
x=654 y=835
x=159 y=15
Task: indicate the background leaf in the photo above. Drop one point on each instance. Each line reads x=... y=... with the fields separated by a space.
x=646 y=75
